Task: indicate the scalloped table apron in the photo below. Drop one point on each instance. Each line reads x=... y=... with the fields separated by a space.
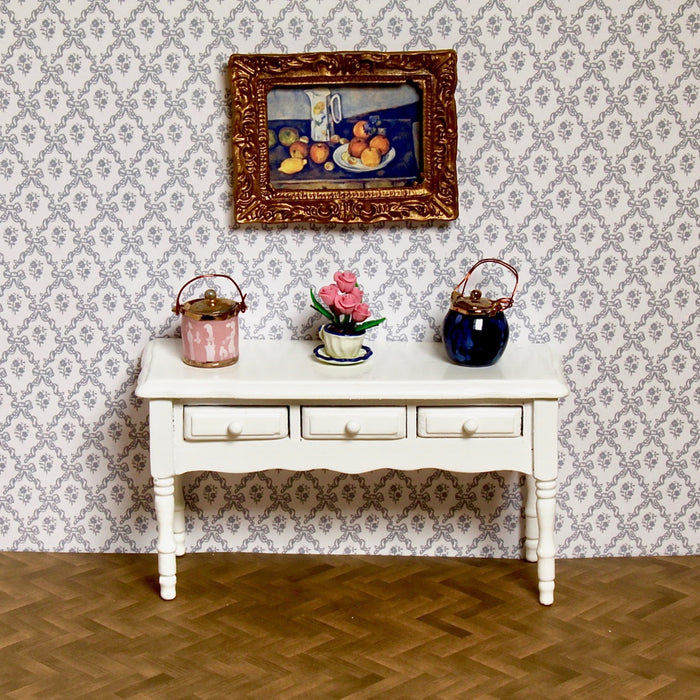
x=407 y=408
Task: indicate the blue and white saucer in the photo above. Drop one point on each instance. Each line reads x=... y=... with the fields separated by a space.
x=320 y=355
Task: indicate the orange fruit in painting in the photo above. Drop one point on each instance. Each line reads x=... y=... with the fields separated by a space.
x=381 y=143
x=371 y=157
x=319 y=152
x=299 y=149
x=362 y=129
x=356 y=146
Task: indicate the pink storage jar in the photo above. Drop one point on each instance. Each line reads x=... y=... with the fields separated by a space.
x=210 y=326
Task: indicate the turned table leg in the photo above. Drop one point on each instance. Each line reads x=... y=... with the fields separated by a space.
x=165 y=514
x=546 y=504
x=545 y=464
x=179 y=517
x=169 y=501
x=531 y=530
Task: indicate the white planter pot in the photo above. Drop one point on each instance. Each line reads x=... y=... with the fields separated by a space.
x=341 y=345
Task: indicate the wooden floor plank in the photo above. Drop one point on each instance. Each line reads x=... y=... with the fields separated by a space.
x=308 y=626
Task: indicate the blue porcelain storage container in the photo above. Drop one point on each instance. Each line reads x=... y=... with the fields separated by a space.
x=475 y=330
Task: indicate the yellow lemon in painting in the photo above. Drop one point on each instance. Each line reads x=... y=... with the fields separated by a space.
x=371 y=157
x=289 y=166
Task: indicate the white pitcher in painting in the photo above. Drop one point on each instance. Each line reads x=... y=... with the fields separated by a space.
x=325 y=112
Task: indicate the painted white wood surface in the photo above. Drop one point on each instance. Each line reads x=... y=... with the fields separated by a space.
x=408 y=407
x=286 y=369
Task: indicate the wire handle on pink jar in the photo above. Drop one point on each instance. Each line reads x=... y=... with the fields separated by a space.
x=498 y=304
x=242 y=306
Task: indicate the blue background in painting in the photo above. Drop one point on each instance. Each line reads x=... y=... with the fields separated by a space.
x=401 y=125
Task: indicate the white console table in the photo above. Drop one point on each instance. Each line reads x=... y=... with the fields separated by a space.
x=407 y=407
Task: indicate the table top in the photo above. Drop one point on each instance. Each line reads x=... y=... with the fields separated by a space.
x=287 y=370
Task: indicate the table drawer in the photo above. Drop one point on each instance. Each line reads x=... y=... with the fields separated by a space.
x=353 y=422
x=236 y=422
x=470 y=421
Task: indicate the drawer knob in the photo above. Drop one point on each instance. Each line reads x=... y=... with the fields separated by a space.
x=470 y=426
x=352 y=427
x=235 y=428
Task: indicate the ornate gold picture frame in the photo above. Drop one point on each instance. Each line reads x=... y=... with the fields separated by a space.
x=344 y=137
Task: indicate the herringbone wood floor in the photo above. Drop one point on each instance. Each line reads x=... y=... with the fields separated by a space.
x=295 y=626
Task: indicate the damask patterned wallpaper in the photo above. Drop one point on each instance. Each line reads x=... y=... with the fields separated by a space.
x=578 y=164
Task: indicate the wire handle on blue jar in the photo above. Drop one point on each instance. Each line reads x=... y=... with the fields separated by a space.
x=496 y=305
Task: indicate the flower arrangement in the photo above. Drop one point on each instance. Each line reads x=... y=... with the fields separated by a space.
x=343 y=304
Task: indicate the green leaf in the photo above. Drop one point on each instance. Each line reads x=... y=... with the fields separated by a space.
x=369 y=324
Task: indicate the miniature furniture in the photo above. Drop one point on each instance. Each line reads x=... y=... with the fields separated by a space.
x=406 y=408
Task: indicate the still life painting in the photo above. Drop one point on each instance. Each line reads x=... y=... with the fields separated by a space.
x=344 y=137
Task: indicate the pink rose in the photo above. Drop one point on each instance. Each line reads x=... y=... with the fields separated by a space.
x=357 y=293
x=345 y=280
x=346 y=303
x=360 y=313
x=329 y=294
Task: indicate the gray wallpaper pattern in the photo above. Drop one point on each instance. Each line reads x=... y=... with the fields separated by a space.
x=578 y=164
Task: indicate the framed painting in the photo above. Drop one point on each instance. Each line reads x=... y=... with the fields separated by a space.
x=344 y=137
